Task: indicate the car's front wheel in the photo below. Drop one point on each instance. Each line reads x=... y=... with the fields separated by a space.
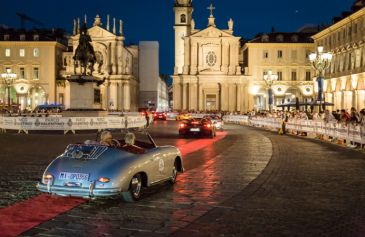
x=135 y=188
x=174 y=173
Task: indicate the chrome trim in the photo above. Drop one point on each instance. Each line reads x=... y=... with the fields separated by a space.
x=91 y=189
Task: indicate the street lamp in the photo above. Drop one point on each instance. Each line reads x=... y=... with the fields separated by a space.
x=8 y=77
x=320 y=61
x=269 y=79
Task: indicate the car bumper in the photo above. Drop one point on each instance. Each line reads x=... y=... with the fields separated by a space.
x=78 y=191
x=201 y=132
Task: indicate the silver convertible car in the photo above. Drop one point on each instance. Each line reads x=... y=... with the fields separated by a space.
x=93 y=170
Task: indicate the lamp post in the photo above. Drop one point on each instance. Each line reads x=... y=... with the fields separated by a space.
x=320 y=61
x=269 y=79
x=8 y=77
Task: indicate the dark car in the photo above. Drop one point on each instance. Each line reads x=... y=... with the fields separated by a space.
x=159 y=115
x=197 y=126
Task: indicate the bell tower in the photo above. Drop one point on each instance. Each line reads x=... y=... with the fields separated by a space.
x=183 y=16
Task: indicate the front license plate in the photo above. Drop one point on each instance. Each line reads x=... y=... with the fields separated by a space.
x=194 y=129
x=73 y=176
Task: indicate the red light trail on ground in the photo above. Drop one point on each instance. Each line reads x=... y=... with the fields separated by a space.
x=27 y=214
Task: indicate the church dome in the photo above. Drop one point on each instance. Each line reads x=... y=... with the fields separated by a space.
x=183 y=3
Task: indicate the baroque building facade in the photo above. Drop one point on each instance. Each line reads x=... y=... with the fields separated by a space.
x=345 y=39
x=116 y=65
x=207 y=75
x=286 y=55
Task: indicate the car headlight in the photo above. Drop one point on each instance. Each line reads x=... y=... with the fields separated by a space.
x=47 y=178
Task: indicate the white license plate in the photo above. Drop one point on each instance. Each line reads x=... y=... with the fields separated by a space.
x=194 y=129
x=73 y=176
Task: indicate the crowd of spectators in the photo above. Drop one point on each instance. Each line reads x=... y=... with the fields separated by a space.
x=340 y=116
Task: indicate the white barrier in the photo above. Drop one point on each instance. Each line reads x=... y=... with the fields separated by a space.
x=350 y=132
x=71 y=123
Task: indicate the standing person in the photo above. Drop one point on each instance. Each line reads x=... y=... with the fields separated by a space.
x=344 y=116
x=147 y=119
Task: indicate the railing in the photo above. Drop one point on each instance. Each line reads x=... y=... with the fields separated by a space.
x=72 y=124
x=339 y=131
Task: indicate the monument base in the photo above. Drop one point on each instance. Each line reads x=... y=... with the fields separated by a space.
x=83 y=94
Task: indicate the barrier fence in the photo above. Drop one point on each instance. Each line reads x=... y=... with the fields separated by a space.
x=339 y=131
x=73 y=124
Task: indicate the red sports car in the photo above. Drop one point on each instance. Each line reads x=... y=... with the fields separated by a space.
x=159 y=115
x=197 y=126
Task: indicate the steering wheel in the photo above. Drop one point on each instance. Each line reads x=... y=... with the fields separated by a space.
x=116 y=143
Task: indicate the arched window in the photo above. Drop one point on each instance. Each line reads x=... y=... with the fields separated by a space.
x=183 y=18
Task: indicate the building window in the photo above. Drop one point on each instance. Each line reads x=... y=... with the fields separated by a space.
x=294 y=75
x=35 y=37
x=294 y=38
x=266 y=54
x=21 y=52
x=265 y=38
x=280 y=76
x=294 y=54
x=6 y=37
x=7 y=52
x=308 y=76
x=280 y=38
x=183 y=18
x=280 y=54
x=21 y=73
x=36 y=73
x=36 y=52
x=22 y=37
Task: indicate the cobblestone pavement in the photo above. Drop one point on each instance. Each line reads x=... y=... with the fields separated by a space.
x=309 y=188
x=213 y=175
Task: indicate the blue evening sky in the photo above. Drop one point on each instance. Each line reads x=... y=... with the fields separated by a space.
x=153 y=20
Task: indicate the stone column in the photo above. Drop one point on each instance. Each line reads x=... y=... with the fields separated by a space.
x=238 y=95
x=127 y=96
x=184 y=96
x=225 y=55
x=113 y=58
x=119 y=57
x=224 y=95
x=113 y=96
x=200 y=58
x=120 y=96
x=200 y=96
x=177 y=96
x=232 y=97
x=232 y=66
x=194 y=57
x=193 y=96
x=186 y=57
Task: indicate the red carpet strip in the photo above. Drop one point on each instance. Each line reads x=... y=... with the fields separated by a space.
x=27 y=214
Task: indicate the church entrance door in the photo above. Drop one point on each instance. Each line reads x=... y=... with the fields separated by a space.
x=211 y=102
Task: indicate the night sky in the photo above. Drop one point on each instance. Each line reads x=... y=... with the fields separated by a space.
x=153 y=20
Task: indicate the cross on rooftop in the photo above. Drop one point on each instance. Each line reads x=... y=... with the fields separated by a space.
x=211 y=8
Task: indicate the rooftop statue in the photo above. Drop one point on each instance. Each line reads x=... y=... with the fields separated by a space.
x=84 y=54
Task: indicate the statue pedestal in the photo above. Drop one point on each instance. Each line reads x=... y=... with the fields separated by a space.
x=83 y=93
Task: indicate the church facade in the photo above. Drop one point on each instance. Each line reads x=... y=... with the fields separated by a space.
x=207 y=75
x=116 y=66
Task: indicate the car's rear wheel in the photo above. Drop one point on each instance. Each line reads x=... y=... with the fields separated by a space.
x=135 y=188
x=212 y=134
x=174 y=173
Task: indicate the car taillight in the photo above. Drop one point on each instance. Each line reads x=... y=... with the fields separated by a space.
x=104 y=180
x=47 y=178
x=182 y=125
x=195 y=123
x=208 y=125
